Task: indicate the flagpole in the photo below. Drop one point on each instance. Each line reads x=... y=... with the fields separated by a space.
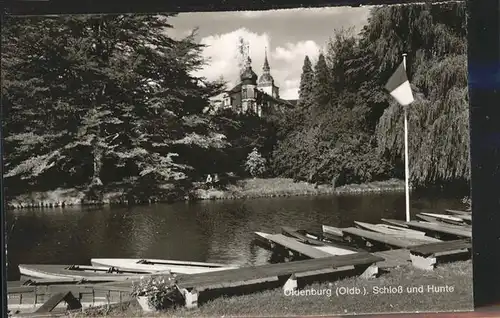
x=407 y=169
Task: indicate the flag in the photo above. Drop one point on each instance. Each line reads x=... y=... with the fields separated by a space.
x=399 y=86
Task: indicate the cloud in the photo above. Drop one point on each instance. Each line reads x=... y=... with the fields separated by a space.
x=285 y=61
x=294 y=51
x=222 y=52
x=303 y=12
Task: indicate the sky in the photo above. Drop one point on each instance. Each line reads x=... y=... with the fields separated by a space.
x=289 y=35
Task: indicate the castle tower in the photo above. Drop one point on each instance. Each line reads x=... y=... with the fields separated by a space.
x=248 y=88
x=266 y=81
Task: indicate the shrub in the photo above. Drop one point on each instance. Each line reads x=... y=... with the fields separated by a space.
x=160 y=290
x=255 y=164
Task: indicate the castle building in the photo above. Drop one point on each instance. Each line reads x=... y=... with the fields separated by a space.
x=254 y=95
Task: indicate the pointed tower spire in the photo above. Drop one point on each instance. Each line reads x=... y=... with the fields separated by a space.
x=266 y=79
x=266 y=67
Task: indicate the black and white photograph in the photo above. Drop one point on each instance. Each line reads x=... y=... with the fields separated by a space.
x=308 y=161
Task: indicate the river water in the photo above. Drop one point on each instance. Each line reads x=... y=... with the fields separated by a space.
x=212 y=231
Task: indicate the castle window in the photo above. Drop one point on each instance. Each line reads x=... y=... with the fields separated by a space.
x=244 y=94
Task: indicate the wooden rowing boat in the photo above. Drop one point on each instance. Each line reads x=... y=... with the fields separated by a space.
x=459 y=212
x=388 y=229
x=396 y=222
x=466 y=216
x=305 y=249
x=301 y=236
x=75 y=272
x=316 y=240
x=443 y=221
x=27 y=299
x=442 y=228
x=395 y=231
x=444 y=217
x=332 y=230
x=155 y=265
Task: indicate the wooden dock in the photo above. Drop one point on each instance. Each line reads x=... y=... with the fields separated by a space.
x=393 y=258
x=427 y=256
x=191 y=285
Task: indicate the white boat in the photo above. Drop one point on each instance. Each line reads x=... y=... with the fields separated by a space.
x=156 y=265
x=466 y=216
x=458 y=212
x=444 y=217
x=75 y=272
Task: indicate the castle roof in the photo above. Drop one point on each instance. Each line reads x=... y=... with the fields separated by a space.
x=248 y=76
x=266 y=77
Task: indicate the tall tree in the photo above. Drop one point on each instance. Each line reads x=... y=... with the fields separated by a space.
x=321 y=83
x=111 y=98
x=306 y=83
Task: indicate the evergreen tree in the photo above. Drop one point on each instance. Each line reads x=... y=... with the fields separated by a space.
x=341 y=142
x=321 y=83
x=109 y=101
x=306 y=83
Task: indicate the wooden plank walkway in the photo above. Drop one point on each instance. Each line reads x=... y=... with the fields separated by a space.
x=393 y=258
x=390 y=240
x=427 y=256
x=191 y=285
x=441 y=248
x=226 y=278
x=459 y=231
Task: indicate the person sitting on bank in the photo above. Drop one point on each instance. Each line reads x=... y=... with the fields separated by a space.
x=208 y=182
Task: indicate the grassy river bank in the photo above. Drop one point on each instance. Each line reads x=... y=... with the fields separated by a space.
x=243 y=189
x=447 y=288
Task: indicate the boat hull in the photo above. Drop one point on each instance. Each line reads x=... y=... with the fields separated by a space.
x=402 y=232
x=55 y=272
x=156 y=265
x=329 y=249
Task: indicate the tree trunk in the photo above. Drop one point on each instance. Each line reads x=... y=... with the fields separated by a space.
x=97 y=154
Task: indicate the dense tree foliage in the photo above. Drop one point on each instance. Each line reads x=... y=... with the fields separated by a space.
x=103 y=103
x=306 y=82
x=109 y=103
x=355 y=133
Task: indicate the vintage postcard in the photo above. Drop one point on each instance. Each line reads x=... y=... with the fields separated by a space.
x=310 y=161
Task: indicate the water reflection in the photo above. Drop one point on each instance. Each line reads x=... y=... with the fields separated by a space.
x=213 y=231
